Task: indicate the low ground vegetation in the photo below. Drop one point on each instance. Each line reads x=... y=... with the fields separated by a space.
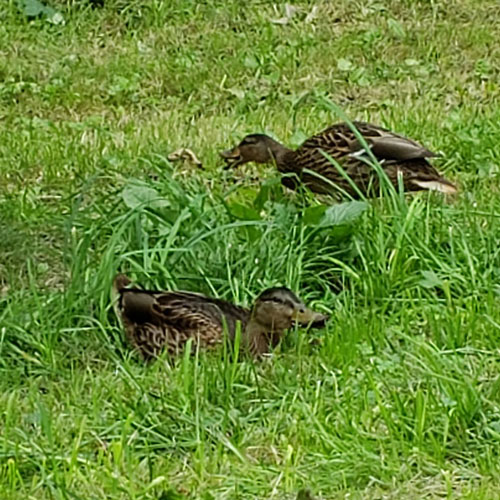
x=397 y=398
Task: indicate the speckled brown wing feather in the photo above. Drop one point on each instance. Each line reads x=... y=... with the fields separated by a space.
x=339 y=140
x=155 y=321
x=397 y=153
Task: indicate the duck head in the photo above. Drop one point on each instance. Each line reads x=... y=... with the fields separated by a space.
x=259 y=148
x=277 y=309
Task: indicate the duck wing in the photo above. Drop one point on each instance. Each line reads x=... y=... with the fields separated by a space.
x=339 y=140
x=387 y=145
x=197 y=311
x=154 y=320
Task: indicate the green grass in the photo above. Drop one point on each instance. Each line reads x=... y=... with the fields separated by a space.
x=399 y=397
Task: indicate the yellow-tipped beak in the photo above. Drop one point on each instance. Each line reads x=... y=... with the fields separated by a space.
x=305 y=317
x=232 y=156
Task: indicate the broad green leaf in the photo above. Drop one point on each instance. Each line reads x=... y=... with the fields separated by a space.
x=137 y=195
x=250 y=62
x=344 y=64
x=55 y=18
x=34 y=8
x=262 y=196
x=268 y=191
x=252 y=233
x=343 y=213
x=313 y=215
x=430 y=280
x=243 y=212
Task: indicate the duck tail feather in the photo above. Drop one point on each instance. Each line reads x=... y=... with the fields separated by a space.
x=440 y=185
x=120 y=281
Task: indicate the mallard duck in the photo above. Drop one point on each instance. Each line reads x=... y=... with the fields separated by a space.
x=156 y=320
x=396 y=154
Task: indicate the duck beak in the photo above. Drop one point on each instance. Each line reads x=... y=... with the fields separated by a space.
x=232 y=157
x=306 y=317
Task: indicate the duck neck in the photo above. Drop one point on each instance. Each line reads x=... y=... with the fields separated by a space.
x=258 y=339
x=279 y=153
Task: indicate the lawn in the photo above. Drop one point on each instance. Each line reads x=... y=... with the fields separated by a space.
x=397 y=398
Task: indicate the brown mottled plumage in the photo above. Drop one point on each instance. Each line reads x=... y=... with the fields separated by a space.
x=155 y=320
x=396 y=154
